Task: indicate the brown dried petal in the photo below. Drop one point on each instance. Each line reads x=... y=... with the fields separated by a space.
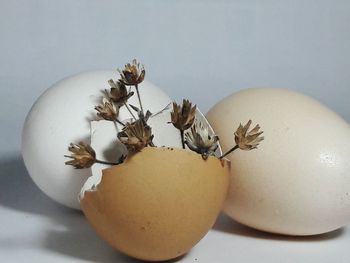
x=200 y=140
x=132 y=74
x=182 y=117
x=118 y=92
x=248 y=140
x=136 y=135
x=83 y=155
x=107 y=110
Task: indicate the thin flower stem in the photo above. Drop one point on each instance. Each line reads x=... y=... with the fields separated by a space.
x=118 y=121
x=116 y=127
x=138 y=96
x=105 y=162
x=228 y=152
x=161 y=111
x=127 y=106
x=182 y=139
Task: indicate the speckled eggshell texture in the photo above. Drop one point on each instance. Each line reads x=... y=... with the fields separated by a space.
x=298 y=181
x=159 y=203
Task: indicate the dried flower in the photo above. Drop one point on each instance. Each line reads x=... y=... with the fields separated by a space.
x=136 y=135
x=201 y=140
x=140 y=113
x=132 y=74
x=119 y=93
x=182 y=117
x=248 y=140
x=107 y=110
x=82 y=154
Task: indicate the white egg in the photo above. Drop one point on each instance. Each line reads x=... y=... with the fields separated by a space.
x=298 y=180
x=62 y=115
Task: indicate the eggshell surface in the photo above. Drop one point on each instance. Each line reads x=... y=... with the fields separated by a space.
x=298 y=180
x=105 y=143
x=62 y=115
x=159 y=203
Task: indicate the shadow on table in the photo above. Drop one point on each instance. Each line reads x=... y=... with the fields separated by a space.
x=74 y=237
x=17 y=190
x=71 y=234
x=228 y=225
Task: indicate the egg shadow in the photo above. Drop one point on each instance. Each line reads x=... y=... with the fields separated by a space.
x=75 y=237
x=18 y=191
x=227 y=225
x=79 y=240
x=71 y=235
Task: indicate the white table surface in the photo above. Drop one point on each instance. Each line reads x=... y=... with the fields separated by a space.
x=35 y=229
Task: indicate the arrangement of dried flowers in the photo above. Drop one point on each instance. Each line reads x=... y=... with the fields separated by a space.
x=137 y=134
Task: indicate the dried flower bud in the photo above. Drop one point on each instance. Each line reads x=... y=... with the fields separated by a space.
x=82 y=154
x=107 y=110
x=136 y=135
x=201 y=140
x=118 y=92
x=182 y=117
x=132 y=74
x=140 y=113
x=248 y=140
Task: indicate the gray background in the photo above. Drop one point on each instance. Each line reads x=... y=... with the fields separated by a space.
x=203 y=50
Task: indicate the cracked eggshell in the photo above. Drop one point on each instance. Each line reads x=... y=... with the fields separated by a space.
x=298 y=180
x=105 y=143
x=159 y=203
x=62 y=115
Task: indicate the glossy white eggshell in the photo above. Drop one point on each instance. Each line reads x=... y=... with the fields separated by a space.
x=62 y=115
x=298 y=181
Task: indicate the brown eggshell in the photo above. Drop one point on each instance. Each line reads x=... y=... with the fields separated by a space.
x=159 y=203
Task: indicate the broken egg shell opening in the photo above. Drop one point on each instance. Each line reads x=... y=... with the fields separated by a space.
x=159 y=203
x=107 y=147
x=62 y=115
